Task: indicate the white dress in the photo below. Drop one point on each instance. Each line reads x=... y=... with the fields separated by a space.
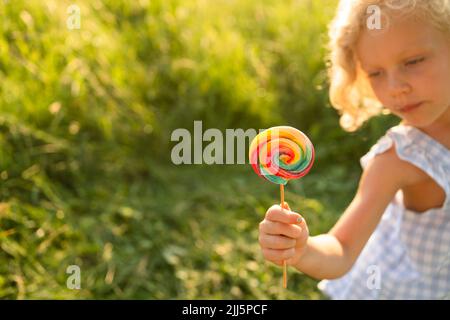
x=408 y=255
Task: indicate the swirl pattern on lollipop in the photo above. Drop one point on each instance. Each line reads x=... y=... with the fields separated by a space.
x=280 y=154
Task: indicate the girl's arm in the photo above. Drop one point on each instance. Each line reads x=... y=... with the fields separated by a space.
x=332 y=255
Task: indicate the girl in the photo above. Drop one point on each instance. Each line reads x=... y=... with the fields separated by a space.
x=393 y=241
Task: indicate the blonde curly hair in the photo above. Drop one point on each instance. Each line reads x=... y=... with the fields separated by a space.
x=350 y=93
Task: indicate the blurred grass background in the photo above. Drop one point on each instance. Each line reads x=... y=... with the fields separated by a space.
x=85 y=122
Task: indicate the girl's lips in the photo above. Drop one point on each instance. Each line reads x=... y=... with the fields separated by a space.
x=410 y=107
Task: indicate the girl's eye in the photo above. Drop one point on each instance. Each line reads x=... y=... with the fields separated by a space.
x=374 y=74
x=414 y=62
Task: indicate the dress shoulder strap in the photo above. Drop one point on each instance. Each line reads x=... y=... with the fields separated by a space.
x=418 y=148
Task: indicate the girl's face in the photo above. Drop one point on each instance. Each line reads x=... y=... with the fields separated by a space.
x=408 y=67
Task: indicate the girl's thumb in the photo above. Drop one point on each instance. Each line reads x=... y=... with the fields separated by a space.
x=286 y=206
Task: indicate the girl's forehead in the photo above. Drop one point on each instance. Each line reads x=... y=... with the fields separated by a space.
x=398 y=31
x=402 y=37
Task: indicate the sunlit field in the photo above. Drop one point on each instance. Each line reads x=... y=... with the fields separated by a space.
x=86 y=116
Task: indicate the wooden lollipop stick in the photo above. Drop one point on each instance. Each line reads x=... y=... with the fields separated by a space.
x=284 y=261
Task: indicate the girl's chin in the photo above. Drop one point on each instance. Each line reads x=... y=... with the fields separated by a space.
x=423 y=123
x=424 y=119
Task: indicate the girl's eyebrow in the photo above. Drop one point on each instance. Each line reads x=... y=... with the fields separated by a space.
x=414 y=50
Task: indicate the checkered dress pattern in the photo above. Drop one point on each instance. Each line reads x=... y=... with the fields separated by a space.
x=408 y=255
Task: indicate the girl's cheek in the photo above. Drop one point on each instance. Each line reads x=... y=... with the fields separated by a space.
x=425 y=83
x=380 y=91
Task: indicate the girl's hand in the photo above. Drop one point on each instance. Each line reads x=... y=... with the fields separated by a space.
x=283 y=235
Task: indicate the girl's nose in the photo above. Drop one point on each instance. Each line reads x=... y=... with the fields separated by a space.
x=398 y=86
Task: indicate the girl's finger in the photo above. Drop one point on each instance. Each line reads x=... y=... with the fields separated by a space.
x=275 y=213
x=276 y=242
x=301 y=222
x=278 y=228
x=278 y=262
x=277 y=254
x=286 y=206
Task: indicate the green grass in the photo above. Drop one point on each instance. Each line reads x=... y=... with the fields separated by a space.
x=174 y=239
x=85 y=123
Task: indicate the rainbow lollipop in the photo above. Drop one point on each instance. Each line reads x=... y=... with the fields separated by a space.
x=280 y=154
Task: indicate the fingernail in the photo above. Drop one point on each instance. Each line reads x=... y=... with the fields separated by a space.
x=299 y=219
